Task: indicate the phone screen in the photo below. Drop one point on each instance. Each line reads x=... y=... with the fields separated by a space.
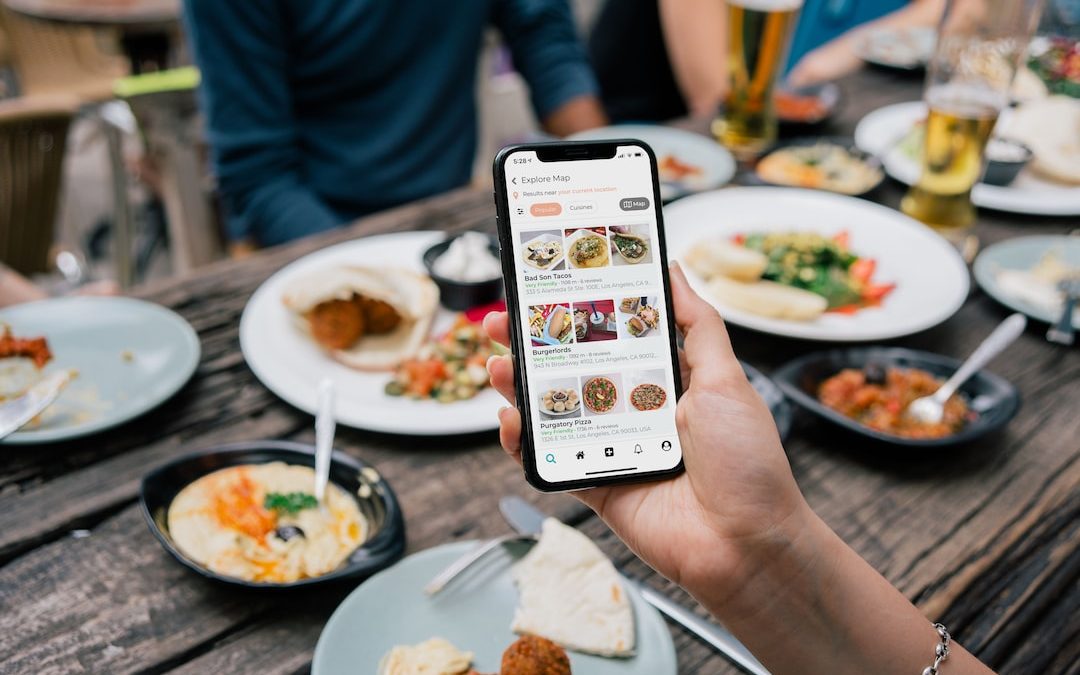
x=591 y=298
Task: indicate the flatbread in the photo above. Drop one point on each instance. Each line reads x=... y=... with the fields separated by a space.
x=414 y=296
x=570 y=593
x=1051 y=128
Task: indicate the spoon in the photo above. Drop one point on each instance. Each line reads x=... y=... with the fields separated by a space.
x=17 y=413
x=931 y=409
x=325 y=425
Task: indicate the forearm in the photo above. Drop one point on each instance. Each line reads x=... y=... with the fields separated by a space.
x=812 y=605
x=15 y=288
x=695 y=33
x=577 y=114
x=282 y=210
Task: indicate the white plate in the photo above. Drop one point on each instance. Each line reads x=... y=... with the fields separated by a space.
x=900 y=48
x=474 y=614
x=291 y=365
x=717 y=164
x=932 y=280
x=1028 y=194
x=545 y=238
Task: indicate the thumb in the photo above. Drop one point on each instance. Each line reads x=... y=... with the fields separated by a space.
x=706 y=343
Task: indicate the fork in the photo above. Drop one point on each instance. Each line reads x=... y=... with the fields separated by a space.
x=1063 y=331
x=456 y=568
x=19 y=412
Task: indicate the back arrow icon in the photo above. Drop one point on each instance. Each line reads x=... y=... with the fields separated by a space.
x=514 y=180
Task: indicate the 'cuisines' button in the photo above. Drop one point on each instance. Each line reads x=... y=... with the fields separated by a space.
x=634 y=203
x=582 y=207
x=541 y=209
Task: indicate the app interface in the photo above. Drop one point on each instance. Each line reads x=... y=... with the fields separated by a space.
x=598 y=360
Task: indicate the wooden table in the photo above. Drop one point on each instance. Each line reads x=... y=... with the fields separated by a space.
x=985 y=540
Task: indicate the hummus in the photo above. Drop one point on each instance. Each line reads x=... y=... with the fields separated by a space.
x=260 y=522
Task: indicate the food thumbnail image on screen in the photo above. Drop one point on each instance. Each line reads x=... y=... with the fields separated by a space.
x=594 y=321
x=543 y=250
x=630 y=244
x=647 y=389
x=551 y=325
x=558 y=398
x=587 y=247
x=638 y=316
x=601 y=394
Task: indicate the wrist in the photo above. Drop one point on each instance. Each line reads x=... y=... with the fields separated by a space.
x=752 y=572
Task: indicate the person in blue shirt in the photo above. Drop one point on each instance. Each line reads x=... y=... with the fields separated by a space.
x=677 y=65
x=321 y=111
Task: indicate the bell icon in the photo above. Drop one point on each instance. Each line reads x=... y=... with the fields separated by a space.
x=637 y=449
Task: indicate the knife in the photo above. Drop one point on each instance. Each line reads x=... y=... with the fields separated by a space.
x=18 y=413
x=528 y=520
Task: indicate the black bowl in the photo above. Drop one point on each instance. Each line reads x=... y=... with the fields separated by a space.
x=383 y=547
x=993 y=399
x=462 y=295
x=827 y=93
x=1004 y=171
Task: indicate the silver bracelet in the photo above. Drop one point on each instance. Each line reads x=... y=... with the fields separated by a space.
x=941 y=652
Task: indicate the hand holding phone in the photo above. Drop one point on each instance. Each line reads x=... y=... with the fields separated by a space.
x=590 y=312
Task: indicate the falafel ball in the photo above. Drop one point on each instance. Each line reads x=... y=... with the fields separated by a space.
x=336 y=324
x=379 y=317
x=534 y=655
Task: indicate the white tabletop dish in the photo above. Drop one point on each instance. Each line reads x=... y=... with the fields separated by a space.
x=879 y=133
x=291 y=365
x=931 y=279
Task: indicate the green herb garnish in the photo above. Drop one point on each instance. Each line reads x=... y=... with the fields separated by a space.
x=291 y=503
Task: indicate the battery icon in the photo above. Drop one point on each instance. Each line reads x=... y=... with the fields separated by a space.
x=637 y=154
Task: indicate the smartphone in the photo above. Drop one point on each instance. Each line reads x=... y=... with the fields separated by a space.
x=591 y=325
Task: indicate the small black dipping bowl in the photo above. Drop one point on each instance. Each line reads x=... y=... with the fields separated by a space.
x=827 y=93
x=1004 y=171
x=993 y=399
x=386 y=540
x=462 y=295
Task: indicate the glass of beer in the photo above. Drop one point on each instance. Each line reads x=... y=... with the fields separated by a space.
x=979 y=46
x=758 y=34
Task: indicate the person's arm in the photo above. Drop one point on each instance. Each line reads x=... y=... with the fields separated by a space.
x=736 y=532
x=15 y=288
x=837 y=57
x=695 y=33
x=547 y=52
x=240 y=46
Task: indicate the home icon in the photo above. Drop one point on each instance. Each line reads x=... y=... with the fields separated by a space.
x=580 y=454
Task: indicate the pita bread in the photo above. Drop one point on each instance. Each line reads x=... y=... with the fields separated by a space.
x=1051 y=128
x=414 y=296
x=570 y=593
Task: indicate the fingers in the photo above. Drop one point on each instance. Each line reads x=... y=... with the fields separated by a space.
x=497 y=325
x=510 y=432
x=501 y=371
x=708 y=349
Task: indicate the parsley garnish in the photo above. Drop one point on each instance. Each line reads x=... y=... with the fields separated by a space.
x=292 y=502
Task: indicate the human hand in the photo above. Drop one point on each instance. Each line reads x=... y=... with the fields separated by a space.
x=828 y=62
x=721 y=519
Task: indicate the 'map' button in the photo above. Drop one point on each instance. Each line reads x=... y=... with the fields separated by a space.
x=634 y=203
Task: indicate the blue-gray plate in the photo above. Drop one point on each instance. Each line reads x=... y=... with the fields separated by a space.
x=380 y=507
x=1023 y=253
x=993 y=399
x=474 y=614
x=130 y=356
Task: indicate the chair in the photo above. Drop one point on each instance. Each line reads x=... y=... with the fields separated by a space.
x=165 y=105
x=33 y=135
x=51 y=58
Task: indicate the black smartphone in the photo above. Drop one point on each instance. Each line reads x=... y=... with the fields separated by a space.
x=591 y=325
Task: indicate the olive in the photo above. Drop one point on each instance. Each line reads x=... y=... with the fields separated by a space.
x=287 y=532
x=874 y=373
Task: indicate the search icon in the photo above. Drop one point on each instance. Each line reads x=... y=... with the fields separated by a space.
x=550 y=458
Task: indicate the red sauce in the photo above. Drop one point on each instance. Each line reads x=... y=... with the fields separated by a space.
x=36 y=349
